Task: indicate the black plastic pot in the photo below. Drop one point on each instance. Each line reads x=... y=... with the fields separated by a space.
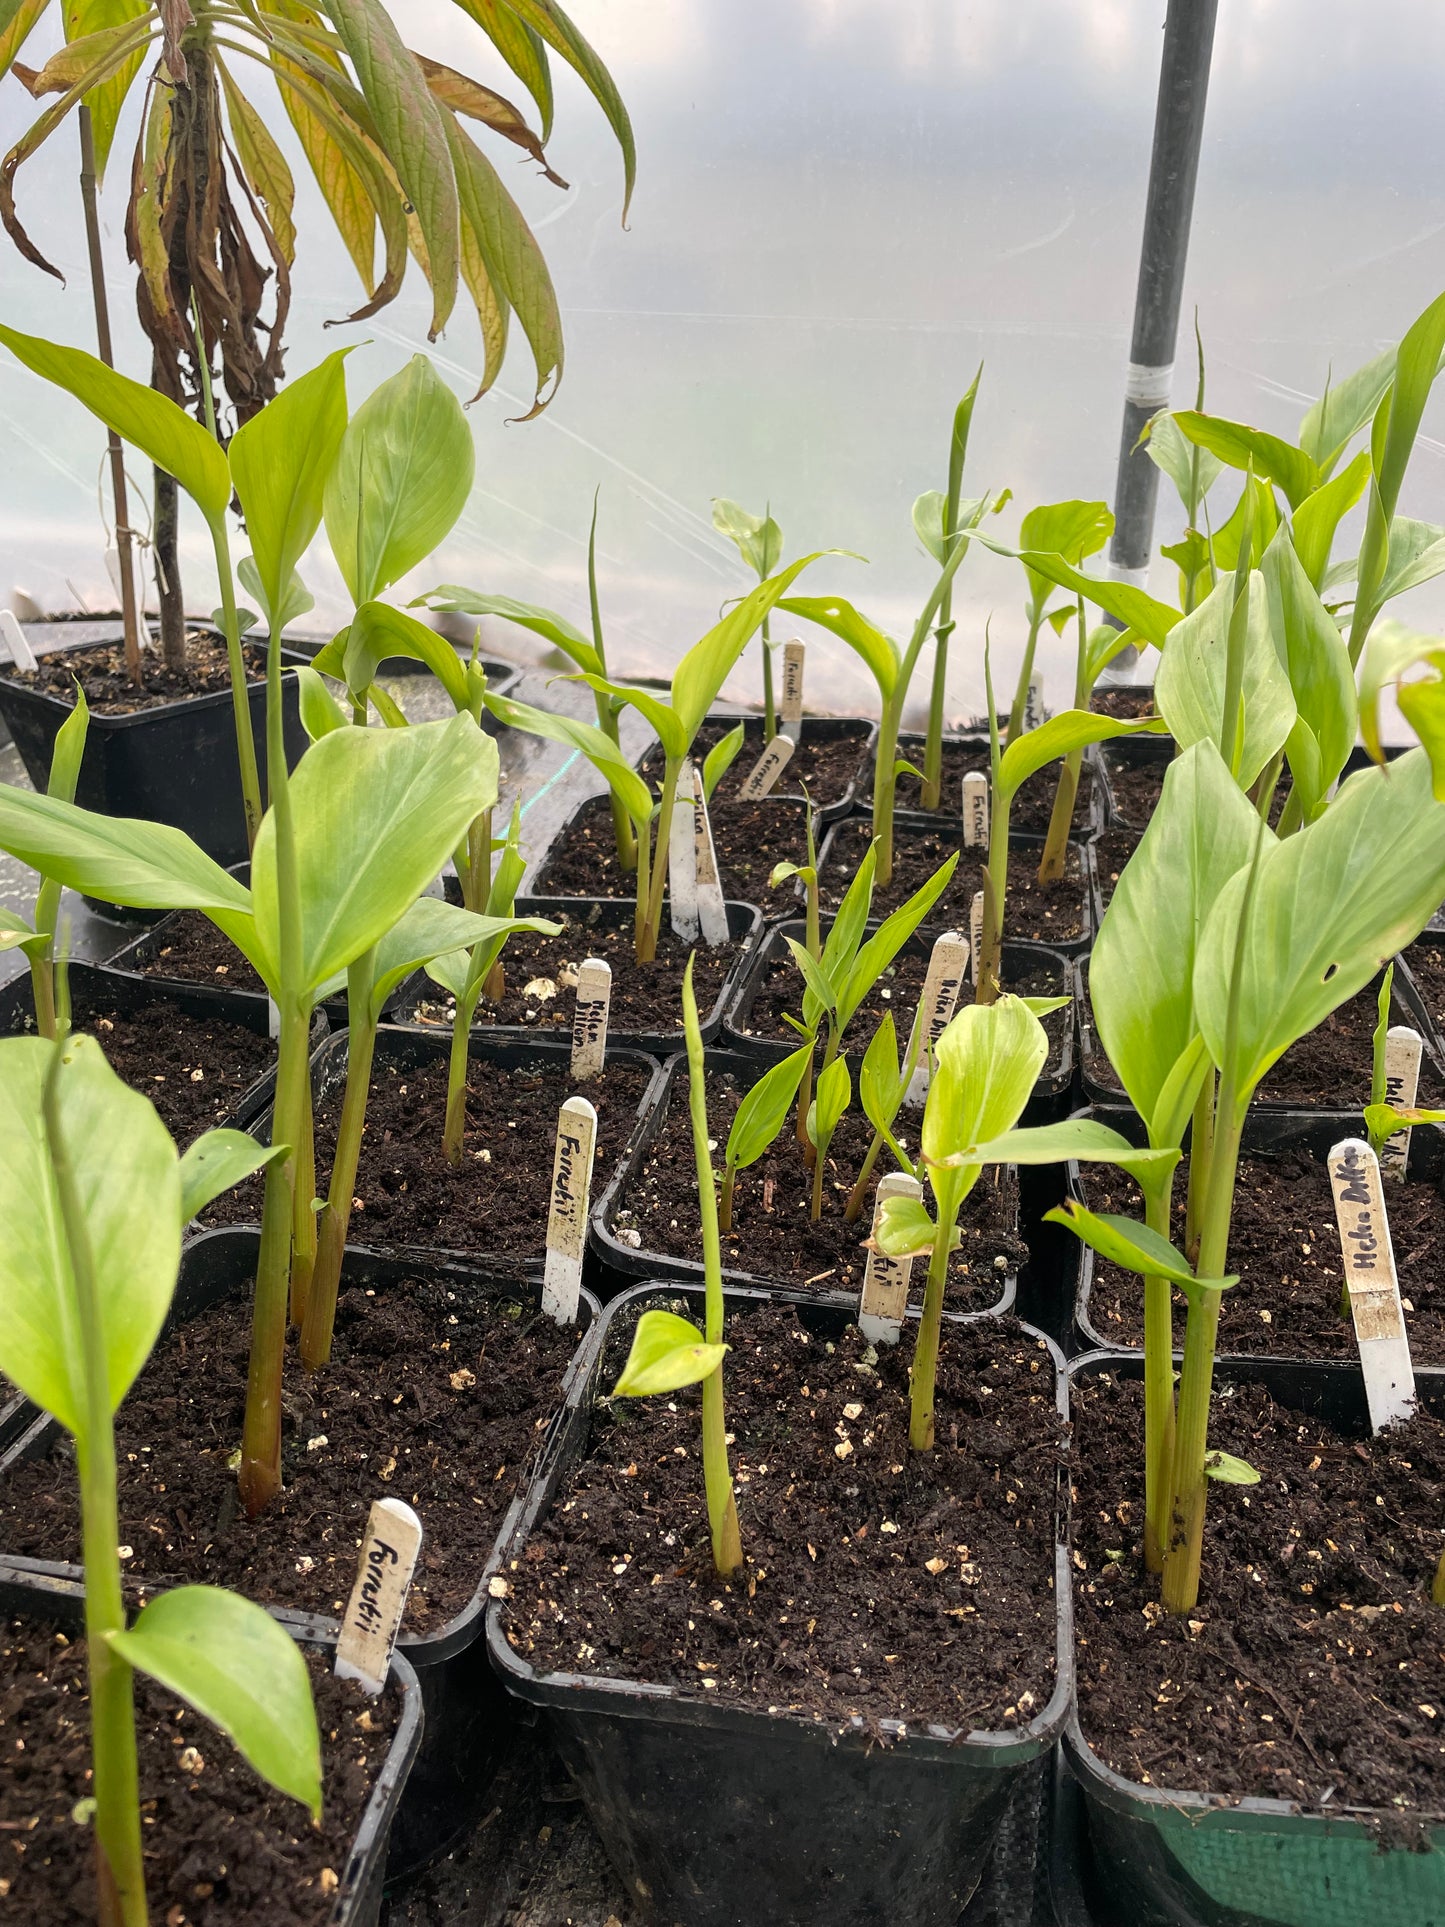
x=827 y=728
x=1052 y=1094
x=952 y=911
x=590 y=913
x=1407 y=1007
x=44 y=1591
x=723 y=1817
x=1175 y=1858
x=1087 y=822
x=469 y=1719
x=411 y=1049
x=628 y=1262
x=175 y=763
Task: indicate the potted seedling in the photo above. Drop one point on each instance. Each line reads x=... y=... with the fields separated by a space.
x=94 y=1201
x=759 y=541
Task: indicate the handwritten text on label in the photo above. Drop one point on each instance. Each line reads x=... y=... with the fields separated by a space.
x=571 y=1201
x=1374 y=1289
x=378 y=1599
x=884 y=1297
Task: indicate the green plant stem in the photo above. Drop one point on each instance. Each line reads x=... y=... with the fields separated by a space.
x=42 y=989
x=925 y=1351
x=331 y=1236
x=240 y=693
x=652 y=922
x=805 y=1098
x=725 y=1203
x=260 y=1473
x=455 y=1127
x=853 y=1210
x=933 y=743
x=1021 y=688
x=1437 y=1591
x=303 y=1194
x=1262 y=795
x=988 y=976
x=885 y=784
x=1061 y=819
x=116 y=1783
x=1201 y=1155
x=770 y=708
x=1292 y=816
x=643 y=892
x=813 y=926
x=1158 y=1393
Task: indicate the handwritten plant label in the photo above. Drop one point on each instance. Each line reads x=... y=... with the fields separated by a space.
x=16 y=641
x=946 y=966
x=682 y=861
x=571 y=1202
x=1403 y=1048
x=1034 y=710
x=768 y=768
x=975 y=810
x=975 y=930
x=378 y=1599
x=712 y=910
x=791 y=716
x=884 y=1297
x=1371 y=1282
x=589 y=1019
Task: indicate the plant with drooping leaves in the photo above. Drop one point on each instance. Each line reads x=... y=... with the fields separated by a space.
x=669 y=1352
x=759 y=541
x=937 y=519
x=94 y=1198
x=37 y=938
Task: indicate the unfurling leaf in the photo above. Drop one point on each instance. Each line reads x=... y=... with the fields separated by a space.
x=667 y=1353
x=216 y=1162
x=764 y=1109
x=905 y=1230
x=1123 y=1241
x=720 y=759
x=1229 y=1470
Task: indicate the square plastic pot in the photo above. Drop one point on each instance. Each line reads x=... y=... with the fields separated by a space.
x=628 y=1263
x=468 y=1717
x=719 y=1816
x=175 y=763
x=826 y=809
x=1053 y=1094
x=911 y=744
x=1175 y=1858
x=34 y=1589
x=745 y=926
x=1407 y=1006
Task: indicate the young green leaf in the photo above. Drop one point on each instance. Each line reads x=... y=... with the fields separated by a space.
x=1383 y=1120
x=1140 y=611
x=833 y=1094
x=1331 y=423
x=667 y=1353
x=815 y=977
x=720 y=759
x=840 y=618
x=1069 y=530
x=1189 y=690
x=1081 y=1138
x=599 y=749
x=1242 y=447
x=703 y=670
x=887 y=940
x=240 y=1669
x=905 y=1230
x=757 y=538
x=453 y=599
x=320 y=711
x=378 y=631
x=1071 y=729
x=1124 y=1241
x=218 y=1161
x=1229 y=1470
x=1318 y=666
x=764 y=1109
x=1168 y=449
x=435 y=933
x=987 y=1063
x=1315 y=521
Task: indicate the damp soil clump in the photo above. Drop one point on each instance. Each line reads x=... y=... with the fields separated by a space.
x=772 y=1236
x=1285 y=1245
x=109 y=690
x=748 y=838
x=221 y=1848
x=879 y=1583
x=1038 y=912
x=497 y=1200
x=437 y=1392
x=1310 y=1669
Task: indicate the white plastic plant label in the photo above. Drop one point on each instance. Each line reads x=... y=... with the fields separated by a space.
x=571 y=1202
x=682 y=861
x=16 y=641
x=947 y=963
x=1034 y=710
x=378 y=1599
x=975 y=930
x=791 y=713
x=1403 y=1049
x=975 y=810
x=712 y=910
x=769 y=767
x=884 y=1298
x=589 y=1019
x=1370 y=1279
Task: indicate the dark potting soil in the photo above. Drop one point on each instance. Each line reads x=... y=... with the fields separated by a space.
x=878 y=1582
x=824 y=766
x=749 y=838
x=101 y=673
x=1311 y=1669
x=1126 y=704
x=220 y=1847
x=1427 y=967
x=193 y=1069
x=1329 y=1067
x=434 y=1393
x=1112 y=851
x=1031 y=808
x=772 y=1235
x=540 y=975
x=1037 y=912
x=196 y=952
x=898 y=990
x=1285 y=1245
x=497 y=1199
x=1136 y=787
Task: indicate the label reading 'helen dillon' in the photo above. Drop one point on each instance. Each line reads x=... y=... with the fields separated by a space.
x=1370 y=1278
x=884 y=1298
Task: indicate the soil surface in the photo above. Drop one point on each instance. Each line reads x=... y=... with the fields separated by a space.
x=1039 y=913
x=193 y=1069
x=434 y=1393
x=196 y=952
x=823 y=766
x=1426 y=962
x=101 y=673
x=1126 y=704
x=1031 y=808
x=1285 y=1245
x=1330 y=1067
x=1136 y=788
x=220 y=1847
x=772 y=1235
x=497 y=1199
x=748 y=838
x=898 y=989
x=1312 y=1667
x=540 y=979
x=878 y=1582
